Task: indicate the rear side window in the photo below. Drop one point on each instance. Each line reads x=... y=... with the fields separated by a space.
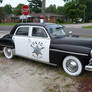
x=23 y=31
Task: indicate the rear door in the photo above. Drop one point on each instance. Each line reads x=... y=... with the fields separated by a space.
x=20 y=39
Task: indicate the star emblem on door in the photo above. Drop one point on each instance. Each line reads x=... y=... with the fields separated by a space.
x=37 y=50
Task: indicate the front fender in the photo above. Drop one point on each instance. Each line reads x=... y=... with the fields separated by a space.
x=71 y=49
x=59 y=52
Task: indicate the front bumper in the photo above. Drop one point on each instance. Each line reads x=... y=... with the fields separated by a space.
x=89 y=66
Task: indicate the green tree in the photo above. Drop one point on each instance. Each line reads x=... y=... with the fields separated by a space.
x=89 y=10
x=8 y=9
x=35 y=6
x=73 y=0
x=51 y=9
x=60 y=10
x=83 y=1
x=74 y=11
x=17 y=10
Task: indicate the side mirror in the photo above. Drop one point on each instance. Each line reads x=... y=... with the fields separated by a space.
x=70 y=33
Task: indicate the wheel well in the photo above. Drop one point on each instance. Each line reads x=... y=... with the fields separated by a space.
x=59 y=64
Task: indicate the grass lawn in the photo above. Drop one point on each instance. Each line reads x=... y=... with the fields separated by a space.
x=8 y=24
x=87 y=27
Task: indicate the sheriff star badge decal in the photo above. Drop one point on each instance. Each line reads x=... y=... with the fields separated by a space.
x=37 y=49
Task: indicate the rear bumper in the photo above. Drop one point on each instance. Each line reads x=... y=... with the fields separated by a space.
x=89 y=66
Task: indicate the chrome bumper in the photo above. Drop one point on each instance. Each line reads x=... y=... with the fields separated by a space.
x=89 y=66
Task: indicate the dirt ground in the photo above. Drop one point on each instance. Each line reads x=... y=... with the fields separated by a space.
x=23 y=75
x=85 y=82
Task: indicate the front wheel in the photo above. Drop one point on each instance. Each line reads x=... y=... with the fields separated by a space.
x=8 y=52
x=72 y=65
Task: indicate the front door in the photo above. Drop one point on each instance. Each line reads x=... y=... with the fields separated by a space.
x=20 y=39
x=39 y=44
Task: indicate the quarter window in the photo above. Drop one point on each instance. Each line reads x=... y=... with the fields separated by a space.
x=39 y=32
x=23 y=31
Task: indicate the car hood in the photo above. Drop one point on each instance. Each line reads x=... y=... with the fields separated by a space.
x=86 y=42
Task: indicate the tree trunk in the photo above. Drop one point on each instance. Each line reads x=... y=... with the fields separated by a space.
x=43 y=7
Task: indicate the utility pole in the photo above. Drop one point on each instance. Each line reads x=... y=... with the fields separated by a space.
x=43 y=7
x=85 y=13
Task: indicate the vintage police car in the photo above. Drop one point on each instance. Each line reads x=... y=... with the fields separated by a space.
x=48 y=43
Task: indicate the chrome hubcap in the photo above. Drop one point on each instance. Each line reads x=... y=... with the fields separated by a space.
x=72 y=66
x=8 y=51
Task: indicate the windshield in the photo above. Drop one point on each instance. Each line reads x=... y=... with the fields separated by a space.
x=56 y=30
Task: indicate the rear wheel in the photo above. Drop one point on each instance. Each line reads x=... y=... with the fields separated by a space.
x=8 y=52
x=72 y=65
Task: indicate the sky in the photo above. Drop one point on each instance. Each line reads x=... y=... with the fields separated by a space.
x=14 y=3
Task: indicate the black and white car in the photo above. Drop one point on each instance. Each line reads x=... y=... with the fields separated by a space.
x=48 y=43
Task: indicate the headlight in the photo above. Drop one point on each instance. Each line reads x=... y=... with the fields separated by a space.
x=91 y=53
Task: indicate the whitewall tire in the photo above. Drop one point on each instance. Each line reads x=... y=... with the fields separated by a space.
x=8 y=52
x=72 y=65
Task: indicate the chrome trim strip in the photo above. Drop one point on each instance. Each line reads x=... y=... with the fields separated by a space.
x=69 y=52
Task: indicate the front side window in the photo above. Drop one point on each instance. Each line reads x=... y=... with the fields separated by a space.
x=39 y=32
x=56 y=30
x=23 y=31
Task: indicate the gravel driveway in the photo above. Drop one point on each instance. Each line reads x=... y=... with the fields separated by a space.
x=23 y=75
